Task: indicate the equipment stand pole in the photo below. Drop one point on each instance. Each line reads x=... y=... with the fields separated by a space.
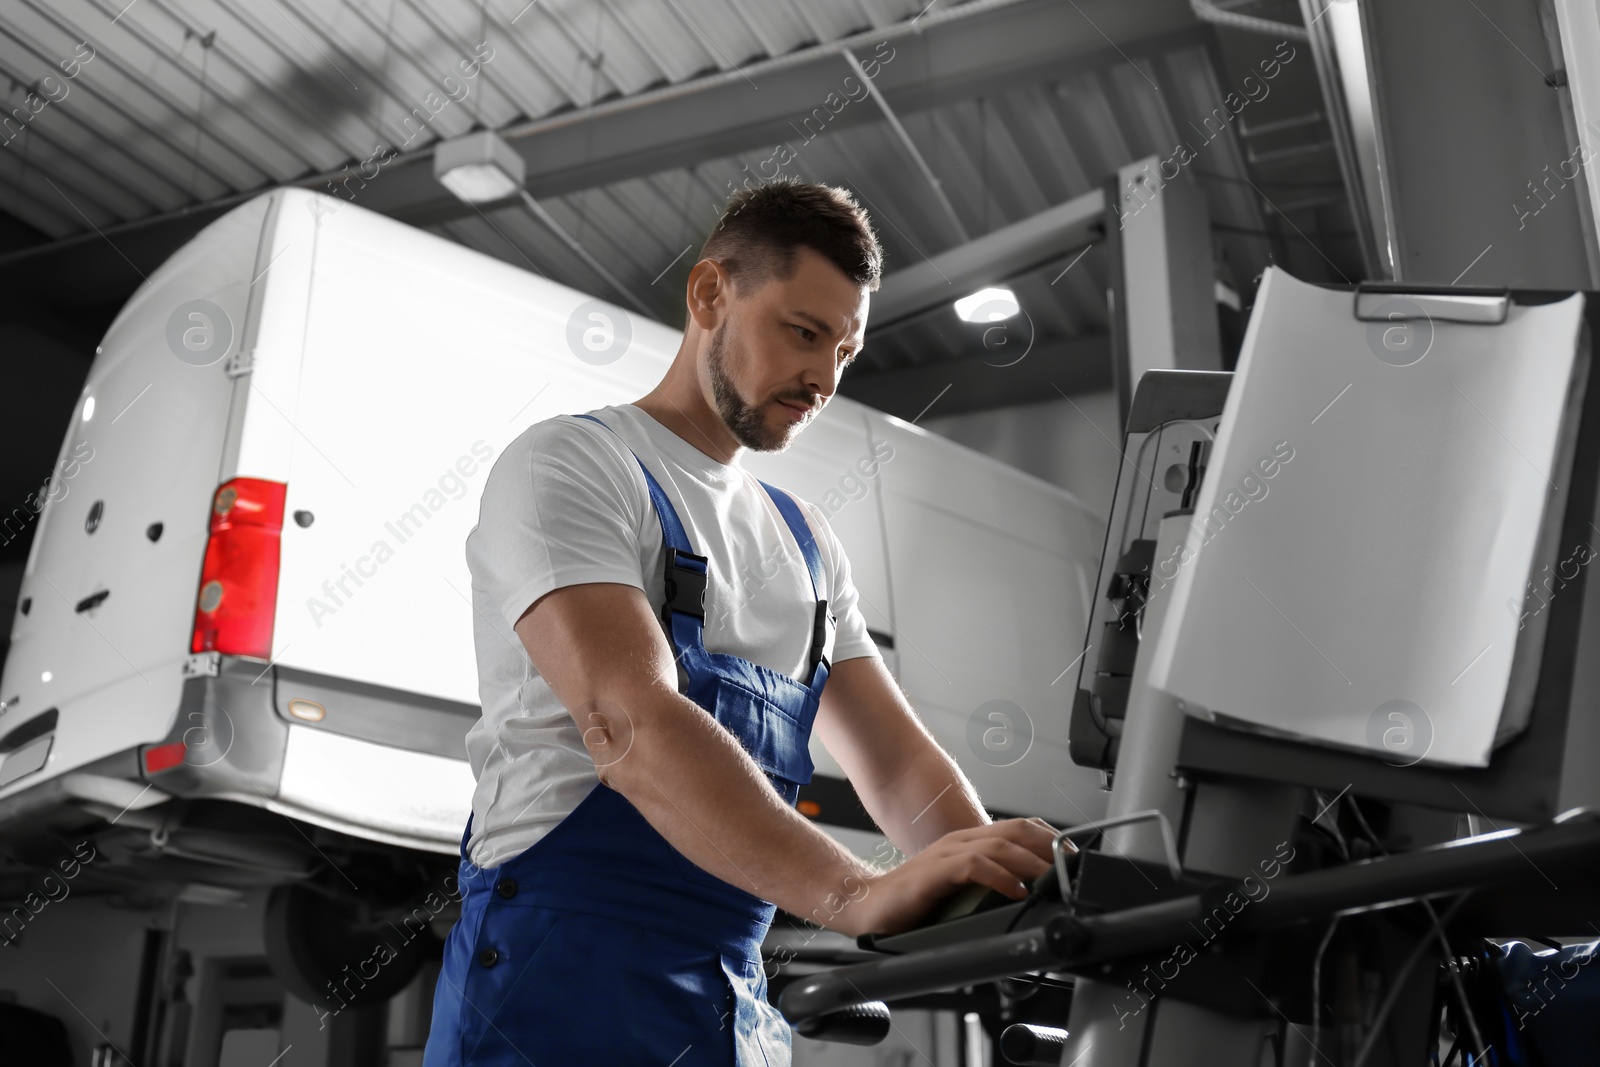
x=1233 y=827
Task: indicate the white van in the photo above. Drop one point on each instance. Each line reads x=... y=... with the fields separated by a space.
x=249 y=597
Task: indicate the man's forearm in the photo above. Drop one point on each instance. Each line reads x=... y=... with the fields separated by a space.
x=695 y=784
x=927 y=800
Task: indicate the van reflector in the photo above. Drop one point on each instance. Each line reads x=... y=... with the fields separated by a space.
x=160 y=758
x=238 y=596
x=309 y=710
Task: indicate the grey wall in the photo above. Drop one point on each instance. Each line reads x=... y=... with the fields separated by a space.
x=1072 y=443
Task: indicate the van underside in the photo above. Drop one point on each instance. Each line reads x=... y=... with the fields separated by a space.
x=199 y=813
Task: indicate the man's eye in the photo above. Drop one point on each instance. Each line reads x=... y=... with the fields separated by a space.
x=805 y=333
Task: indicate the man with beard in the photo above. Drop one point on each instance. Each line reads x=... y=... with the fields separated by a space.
x=647 y=710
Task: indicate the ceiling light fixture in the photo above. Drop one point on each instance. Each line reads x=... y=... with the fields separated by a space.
x=479 y=168
x=988 y=305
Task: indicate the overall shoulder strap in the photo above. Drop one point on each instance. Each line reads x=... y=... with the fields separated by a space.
x=802 y=534
x=686 y=574
x=672 y=531
x=817 y=666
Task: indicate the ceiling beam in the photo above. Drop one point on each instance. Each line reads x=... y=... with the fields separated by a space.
x=941 y=64
x=676 y=126
x=1004 y=253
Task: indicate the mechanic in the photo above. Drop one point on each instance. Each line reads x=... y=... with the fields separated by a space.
x=647 y=712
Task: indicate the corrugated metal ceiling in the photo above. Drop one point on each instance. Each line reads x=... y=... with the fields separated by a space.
x=153 y=106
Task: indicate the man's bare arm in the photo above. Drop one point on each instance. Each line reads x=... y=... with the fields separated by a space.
x=606 y=659
x=608 y=662
x=909 y=785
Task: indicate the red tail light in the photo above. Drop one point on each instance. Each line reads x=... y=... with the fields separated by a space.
x=239 y=580
x=160 y=758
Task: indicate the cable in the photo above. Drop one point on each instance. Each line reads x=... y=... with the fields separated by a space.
x=1455 y=980
x=1444 y=942
x=1329 y=827
x=1316 y=990
x=1398 y=984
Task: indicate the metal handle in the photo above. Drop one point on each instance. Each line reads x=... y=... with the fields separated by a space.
x=947 y=967
x=1473 y=305
x=1030 y=1045
x=1169 y=843
x=857 y=1024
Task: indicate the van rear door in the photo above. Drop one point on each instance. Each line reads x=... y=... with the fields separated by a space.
x=111 y=581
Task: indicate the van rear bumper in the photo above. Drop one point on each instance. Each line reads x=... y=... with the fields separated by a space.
x=374 y=791
x=376 y=763
x=382 y=765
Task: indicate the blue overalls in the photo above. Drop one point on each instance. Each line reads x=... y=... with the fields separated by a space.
x=601 y=944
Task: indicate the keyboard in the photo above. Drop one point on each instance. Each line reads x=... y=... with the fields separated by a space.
x=971 y=911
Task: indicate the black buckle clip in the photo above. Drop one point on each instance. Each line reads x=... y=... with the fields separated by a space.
x=819 y=637
x=685 y=586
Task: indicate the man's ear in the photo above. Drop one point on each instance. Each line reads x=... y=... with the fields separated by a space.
x=706 y=295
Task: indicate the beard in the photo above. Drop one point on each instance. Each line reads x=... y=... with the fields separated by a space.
x=747 y=424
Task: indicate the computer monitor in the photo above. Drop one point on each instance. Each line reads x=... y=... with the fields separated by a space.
x=1546 y=769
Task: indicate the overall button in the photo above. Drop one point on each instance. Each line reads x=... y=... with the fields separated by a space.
x=506 y=887
x=488 y=957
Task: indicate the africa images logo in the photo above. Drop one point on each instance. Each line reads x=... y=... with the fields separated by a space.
x=1400 y=732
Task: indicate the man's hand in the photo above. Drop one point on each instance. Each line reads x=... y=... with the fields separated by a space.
x=1003 y=855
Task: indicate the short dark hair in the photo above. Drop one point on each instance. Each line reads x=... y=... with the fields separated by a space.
x=762 y=225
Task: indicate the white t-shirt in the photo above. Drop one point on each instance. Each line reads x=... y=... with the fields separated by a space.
x=566 y=504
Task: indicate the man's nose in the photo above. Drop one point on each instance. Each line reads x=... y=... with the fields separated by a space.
x=822 y=378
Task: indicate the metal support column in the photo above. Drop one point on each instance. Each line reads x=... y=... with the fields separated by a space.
x=1233 y=826
x=1461 y=125
x=1163 y=279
